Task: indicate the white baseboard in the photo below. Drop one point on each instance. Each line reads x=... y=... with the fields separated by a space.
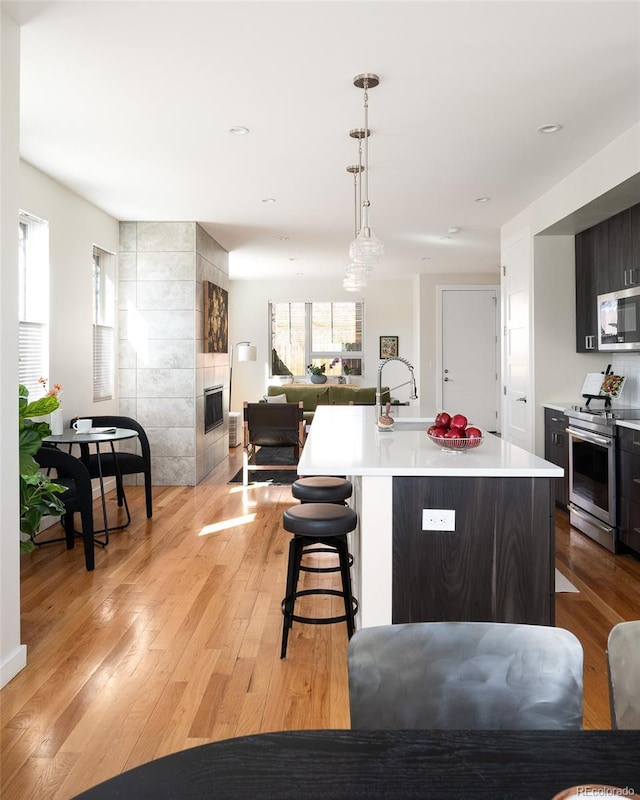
x=13 y=664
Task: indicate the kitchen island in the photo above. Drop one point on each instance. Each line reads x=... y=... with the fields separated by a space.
x=497 y=564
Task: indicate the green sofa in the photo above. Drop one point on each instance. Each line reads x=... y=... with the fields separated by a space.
x=327 y=394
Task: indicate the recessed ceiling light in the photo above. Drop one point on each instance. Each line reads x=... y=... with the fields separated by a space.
x=284 y=238
x=239 y=130
x=444 y=238
x=453 y=229
x=269 y=200
x=299 y=274
x=293 y=259
x=426 y=258
x=551 y=127
x=482 y=199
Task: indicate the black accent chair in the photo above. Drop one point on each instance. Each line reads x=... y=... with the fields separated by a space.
x=268 y=426
x=121 y=463
x=71 y=473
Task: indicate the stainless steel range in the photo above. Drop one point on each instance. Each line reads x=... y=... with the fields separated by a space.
x=592 y=470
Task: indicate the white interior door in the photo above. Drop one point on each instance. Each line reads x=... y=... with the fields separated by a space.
x=468 y=369
x=517 y=403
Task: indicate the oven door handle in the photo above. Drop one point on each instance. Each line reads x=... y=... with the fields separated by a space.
x=589 y=437
x=591 y=520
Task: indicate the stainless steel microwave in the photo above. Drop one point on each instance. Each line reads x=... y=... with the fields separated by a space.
x=619 y=320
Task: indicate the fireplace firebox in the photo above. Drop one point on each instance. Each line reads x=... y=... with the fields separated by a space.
x=213 y=415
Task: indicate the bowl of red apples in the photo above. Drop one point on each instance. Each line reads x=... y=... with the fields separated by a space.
x=453 y=434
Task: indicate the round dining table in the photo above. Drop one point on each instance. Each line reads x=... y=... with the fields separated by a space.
x=387 y=765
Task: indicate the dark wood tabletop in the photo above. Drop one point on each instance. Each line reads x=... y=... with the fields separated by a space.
x=386 y=765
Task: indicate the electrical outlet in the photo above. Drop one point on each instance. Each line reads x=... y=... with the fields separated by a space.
x=438 y=519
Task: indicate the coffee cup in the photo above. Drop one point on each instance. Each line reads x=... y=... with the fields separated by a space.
x=82 y=425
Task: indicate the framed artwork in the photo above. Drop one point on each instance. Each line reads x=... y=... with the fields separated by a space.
x=216 y=318
x=388 y=346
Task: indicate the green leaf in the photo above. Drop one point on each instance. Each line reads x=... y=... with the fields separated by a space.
x=41 y=407
x=26 y=546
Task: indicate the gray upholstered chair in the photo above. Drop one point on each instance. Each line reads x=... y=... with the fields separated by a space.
x=623 y=659
x=465 y=675
x=267 y=426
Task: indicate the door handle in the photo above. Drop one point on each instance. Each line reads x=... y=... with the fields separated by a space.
x=521 y=399
x=446 y=379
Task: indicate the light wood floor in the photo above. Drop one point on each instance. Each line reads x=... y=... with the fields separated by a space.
x=174 y=639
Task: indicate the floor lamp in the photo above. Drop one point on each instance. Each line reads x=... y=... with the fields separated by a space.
x=245 y=351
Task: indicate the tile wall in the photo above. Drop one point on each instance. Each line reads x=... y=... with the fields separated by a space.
x=163 y=369
x=627 y=364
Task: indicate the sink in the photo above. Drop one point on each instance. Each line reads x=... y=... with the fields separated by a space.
x=411 y=424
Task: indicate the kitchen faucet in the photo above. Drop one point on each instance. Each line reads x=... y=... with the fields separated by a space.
x=412 y=380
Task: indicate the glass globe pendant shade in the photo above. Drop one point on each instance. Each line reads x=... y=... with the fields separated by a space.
x=366 y=248
x=357 y=269
x=353 y=283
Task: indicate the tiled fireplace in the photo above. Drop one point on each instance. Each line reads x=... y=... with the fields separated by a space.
x=163 y=368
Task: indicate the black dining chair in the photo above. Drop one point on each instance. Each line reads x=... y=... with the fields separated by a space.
x=122 y=462
x=71 y=473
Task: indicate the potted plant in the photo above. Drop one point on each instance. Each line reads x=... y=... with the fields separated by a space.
x=317 y=373
x=38 y=493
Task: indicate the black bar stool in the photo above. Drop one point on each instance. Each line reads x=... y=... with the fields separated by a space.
x=322 y=489
x=326 y=524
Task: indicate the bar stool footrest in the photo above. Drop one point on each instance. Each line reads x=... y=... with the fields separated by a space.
x=317 y=620
x=310 y=550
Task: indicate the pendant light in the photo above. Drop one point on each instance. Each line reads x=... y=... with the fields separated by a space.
x=366 y=248
x=357 y=273
x=355 y=280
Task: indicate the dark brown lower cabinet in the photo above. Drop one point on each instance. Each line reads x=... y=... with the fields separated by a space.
x=556 y=450
x=629 y=488
x=498 y=564
x=629 y=524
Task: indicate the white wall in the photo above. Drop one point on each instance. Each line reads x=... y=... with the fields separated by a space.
x=75 y=226
x=559 y=371
x=553 y=272
x=389 y=311
x=12 y=654
x=614 y=164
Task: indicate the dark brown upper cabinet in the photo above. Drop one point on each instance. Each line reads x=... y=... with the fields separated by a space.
x=622 y=273
x=607 y=260
x=592 y=279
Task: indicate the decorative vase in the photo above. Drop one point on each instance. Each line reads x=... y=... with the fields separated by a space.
x=318 y=378
x=56 y=423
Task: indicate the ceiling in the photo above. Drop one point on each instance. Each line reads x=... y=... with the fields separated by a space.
x=130 y=105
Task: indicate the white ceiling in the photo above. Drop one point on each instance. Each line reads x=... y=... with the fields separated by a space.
x=130 y=105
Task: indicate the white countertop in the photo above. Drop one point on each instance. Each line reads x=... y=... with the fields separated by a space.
x=344 y=440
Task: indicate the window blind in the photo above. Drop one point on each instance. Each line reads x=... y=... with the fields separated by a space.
x=32 y=345
x=103 y=362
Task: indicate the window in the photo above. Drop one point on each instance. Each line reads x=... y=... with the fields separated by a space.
x=316 y=333
x=104 y=310
x=33 y=336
